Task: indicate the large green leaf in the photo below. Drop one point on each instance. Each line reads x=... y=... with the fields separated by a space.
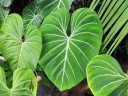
x=32 y=14
x=24 y=83
x=67 y=51
x=48 y=6
x=106 y=78
x=6 y=3
x=20 y=47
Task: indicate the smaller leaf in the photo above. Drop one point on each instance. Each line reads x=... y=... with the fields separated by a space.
x=106 y=78
x=20 y=46
x=48 y=6
x=4 y=11
x=22 y=79
x=6 y=3
x=32 y=15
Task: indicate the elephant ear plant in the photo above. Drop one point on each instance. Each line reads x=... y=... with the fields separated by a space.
x=32 y=15
x=23 y=81
x=104 y=74
x=106 y=78
x=48 y=6
x=21 y=47
x=37 y=10
x=6 y=3
x=70 y=42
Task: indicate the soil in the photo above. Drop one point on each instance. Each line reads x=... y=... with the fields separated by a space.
x=79 y=90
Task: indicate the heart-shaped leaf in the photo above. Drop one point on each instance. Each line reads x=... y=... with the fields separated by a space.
x=32 y=14
x=6 y=3
x=66 y=53
x=24 y=83
x=48 y=6
x=20 y=47
x=106 y=78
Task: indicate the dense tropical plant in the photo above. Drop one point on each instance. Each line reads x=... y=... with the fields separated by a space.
x=21 y=41
x=70 y=42
x=113 y=81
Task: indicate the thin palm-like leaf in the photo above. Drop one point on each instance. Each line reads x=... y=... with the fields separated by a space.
x=94 y=4
x=119 y=38
x=113 y=15
x=111 y=11
x=117 y=26
x=116 y=16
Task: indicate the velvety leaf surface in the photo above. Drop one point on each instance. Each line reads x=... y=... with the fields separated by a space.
x=4 y=11
x=6 y=3
x=20 y=47
x=67 y=51
x=32 y=14
x=106 y=78
x=24 y=83
x=48 y=6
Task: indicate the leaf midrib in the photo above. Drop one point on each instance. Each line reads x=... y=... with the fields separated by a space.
x=65 y=58
x=22 y=44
